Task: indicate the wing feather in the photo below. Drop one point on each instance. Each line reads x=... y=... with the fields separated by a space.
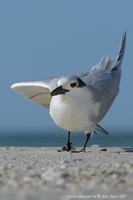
x=36 y=91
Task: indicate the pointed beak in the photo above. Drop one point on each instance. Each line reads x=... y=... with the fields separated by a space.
x=59 y=90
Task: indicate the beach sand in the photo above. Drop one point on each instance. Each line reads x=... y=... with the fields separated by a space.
x=29 y=173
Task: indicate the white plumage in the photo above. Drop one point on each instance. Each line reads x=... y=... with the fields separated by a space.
x=78 y=102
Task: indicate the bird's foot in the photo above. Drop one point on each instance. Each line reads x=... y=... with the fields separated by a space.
x=71 y=149
x=79 y=151
x=67 y=147
x=83 y=150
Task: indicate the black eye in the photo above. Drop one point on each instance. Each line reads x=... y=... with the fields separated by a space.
x=73 y=85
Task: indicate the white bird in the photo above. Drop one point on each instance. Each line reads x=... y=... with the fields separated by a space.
x=78 y=102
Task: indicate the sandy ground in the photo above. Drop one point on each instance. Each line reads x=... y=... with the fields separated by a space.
x=43 y=173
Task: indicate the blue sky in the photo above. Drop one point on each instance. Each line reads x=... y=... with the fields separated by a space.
x=45 y=38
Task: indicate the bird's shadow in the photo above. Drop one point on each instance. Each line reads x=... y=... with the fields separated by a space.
x=127 y=149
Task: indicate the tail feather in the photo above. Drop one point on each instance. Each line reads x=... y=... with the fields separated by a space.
x=99 y=128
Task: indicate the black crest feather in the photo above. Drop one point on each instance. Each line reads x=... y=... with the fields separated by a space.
x=80 y=83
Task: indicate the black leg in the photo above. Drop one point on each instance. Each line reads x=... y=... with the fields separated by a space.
x=86 y=141
x=68 y=146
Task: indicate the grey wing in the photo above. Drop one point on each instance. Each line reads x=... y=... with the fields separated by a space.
x=105 y=69
x=37 y=91
x=121 y=52
x=103 y=81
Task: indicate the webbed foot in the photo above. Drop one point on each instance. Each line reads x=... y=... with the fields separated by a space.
x=67 y=147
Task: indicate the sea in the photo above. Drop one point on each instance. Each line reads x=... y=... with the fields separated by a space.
x=46 y=138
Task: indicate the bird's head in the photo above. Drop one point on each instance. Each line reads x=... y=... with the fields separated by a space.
x=68 y=85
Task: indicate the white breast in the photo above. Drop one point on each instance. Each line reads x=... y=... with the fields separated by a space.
x=73 y=115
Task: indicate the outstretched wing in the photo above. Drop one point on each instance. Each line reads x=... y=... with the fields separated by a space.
x=37 y=91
